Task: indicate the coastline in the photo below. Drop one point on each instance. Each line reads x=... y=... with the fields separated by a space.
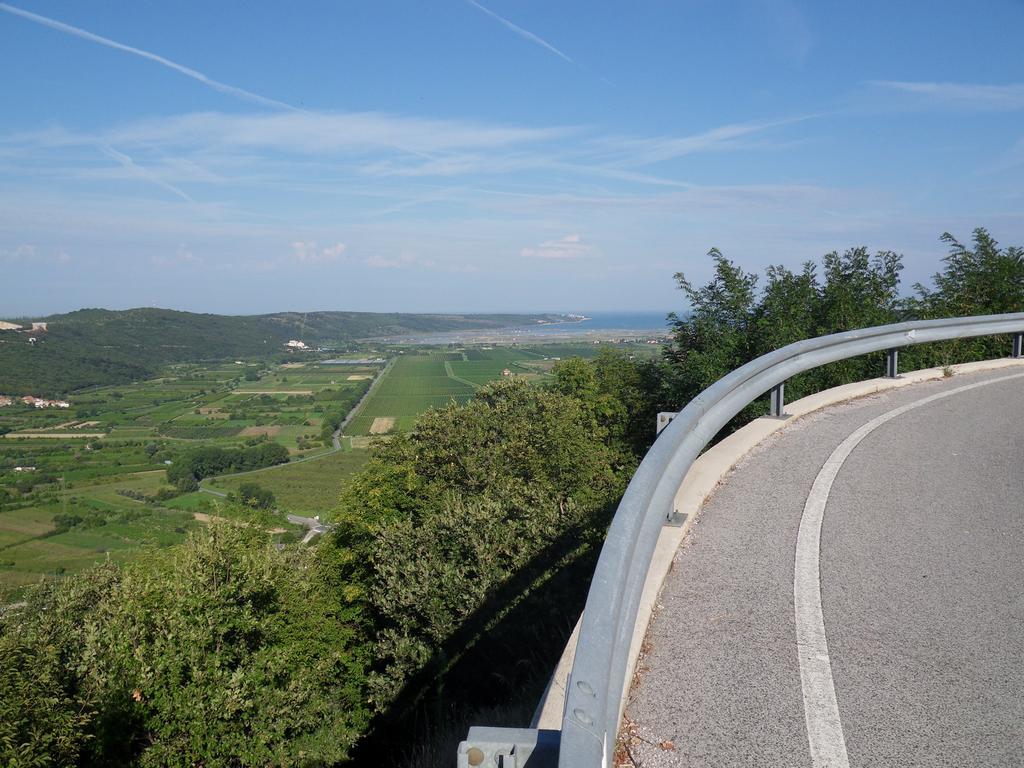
x=638 y=326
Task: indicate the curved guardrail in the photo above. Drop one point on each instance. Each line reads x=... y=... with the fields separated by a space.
x=594 y=694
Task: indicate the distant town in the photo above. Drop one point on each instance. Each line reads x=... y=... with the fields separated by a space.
x=38 y=402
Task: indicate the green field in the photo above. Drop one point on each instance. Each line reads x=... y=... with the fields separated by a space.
x=144 y=425
x=306 y=488
x=141 y=427
x=432 y=378
x=119 y=527
x=412 y=385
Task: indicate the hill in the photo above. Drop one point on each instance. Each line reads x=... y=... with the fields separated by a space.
x=100 y=346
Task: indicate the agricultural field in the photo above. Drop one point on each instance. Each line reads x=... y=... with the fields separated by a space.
x=37 y=543
x=413 y=384
x=92 y=483
x=423 y=378
x=82 y=484
x=306 y=488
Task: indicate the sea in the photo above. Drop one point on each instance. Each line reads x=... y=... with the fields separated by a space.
x=593 y=325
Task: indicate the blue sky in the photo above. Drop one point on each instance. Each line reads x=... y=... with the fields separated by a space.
x=499 y=155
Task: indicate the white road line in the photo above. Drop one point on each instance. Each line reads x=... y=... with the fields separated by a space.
x=821 y=712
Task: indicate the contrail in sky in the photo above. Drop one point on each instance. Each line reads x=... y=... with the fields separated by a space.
x=131 y=166
x=522 y=32
x=231 y=90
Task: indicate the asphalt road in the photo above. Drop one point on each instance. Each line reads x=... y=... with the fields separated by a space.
x=921 y=594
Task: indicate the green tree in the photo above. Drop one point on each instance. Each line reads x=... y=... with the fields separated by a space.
x=256 y=496
x=223 y=652
x=983 y=280
x=50 y=708
x=980 y=280
x=474 y=495
x=716 y=335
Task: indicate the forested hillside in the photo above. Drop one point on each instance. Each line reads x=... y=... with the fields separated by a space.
x=100 y=346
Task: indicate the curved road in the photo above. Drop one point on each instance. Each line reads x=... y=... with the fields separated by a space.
x=909 y=612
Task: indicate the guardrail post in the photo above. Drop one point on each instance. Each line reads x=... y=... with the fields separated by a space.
x=778 y=407
x=509 y=748
x=892 y=363
x=1018 y=345
x=664 y=419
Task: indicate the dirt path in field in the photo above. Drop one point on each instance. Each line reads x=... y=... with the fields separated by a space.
x=451 y=375
x=270 y=431
x=335 y=438
x=273 y=392
x=202 y=517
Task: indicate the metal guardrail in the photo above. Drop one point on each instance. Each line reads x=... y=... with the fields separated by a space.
x=596 y=686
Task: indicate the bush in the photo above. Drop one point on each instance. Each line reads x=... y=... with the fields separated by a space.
x=252 y=495
x=226 y=653
x=506 y=489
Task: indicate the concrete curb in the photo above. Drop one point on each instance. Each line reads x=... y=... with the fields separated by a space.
x=700 y=482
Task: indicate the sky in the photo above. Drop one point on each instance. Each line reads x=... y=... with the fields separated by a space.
x=500 y=155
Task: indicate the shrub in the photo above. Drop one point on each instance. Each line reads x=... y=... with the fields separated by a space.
x=224 y=653
x=511 y=486
x=252 y=495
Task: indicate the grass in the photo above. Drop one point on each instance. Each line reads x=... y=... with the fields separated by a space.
x=29 y=553
x=414 y=384
x=196 y=404
x=307 y=488
x=432 y=380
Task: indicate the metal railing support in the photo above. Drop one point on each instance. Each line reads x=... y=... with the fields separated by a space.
x=892 y=363
x=778 y=406
x=663 y=420
x=1018 y=345
x=508 y=748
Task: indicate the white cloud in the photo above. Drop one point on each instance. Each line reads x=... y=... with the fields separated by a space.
x=646 y=151
x=268 y=150
x=1009 y=159
x=404 y=259
x=409 y=259
x=966 y=95
x=27 y=253
x=182 y=255
x=20 y=253
x=309 y=252
x=568 y=247
x=320 y=132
